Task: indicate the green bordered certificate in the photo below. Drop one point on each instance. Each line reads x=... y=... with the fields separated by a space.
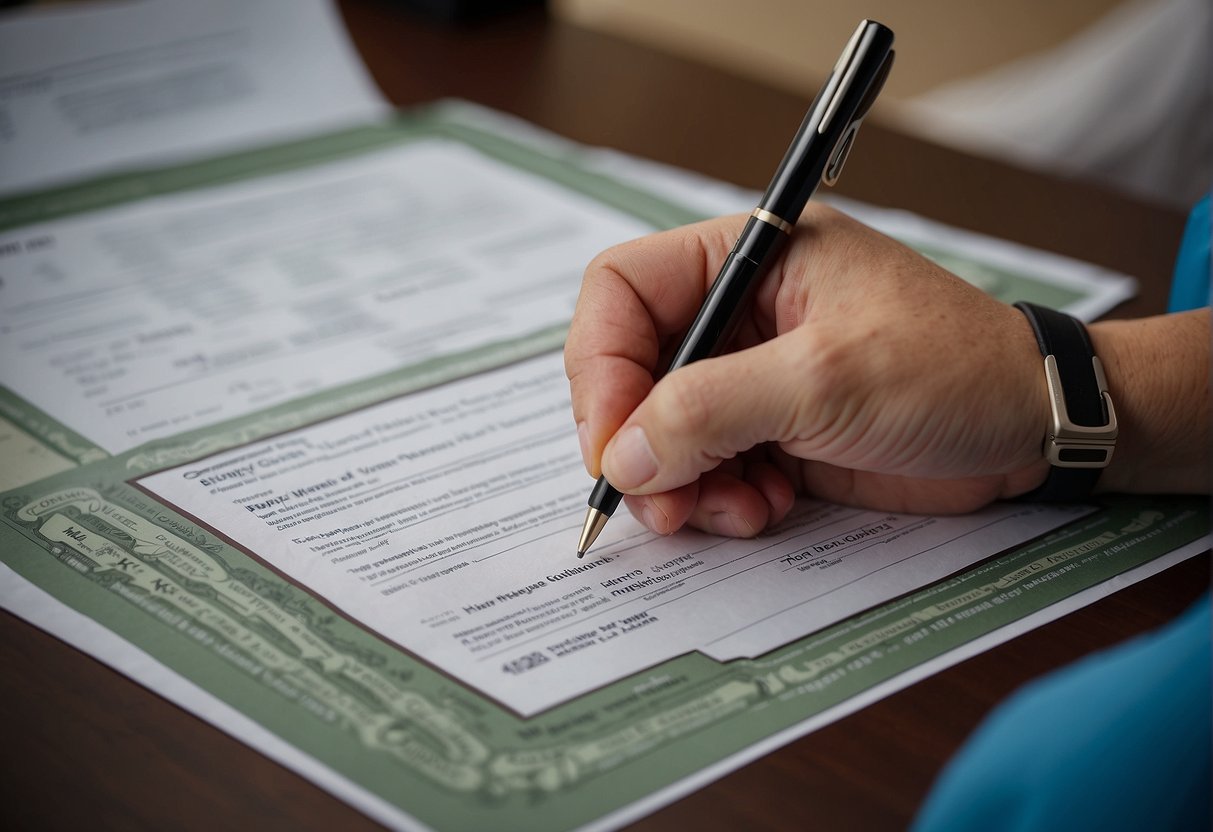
x=227 y=383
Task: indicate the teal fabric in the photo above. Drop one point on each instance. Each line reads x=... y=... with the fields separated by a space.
x=1122 y=740
x=1119 y=741
x=1191 y=286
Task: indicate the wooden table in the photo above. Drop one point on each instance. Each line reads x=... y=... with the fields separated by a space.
x=84 y=746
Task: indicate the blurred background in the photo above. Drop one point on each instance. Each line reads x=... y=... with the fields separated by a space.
x=1119 y=91
x=1115 y=91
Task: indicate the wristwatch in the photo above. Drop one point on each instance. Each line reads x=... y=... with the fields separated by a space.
x=1082 y=430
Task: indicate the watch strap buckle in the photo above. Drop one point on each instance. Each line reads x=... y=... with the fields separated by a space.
x=1070 y=445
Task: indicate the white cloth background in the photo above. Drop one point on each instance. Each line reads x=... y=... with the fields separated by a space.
x=1129 y=102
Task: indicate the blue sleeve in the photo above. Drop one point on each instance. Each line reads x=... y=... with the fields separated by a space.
x=1119 y=741
x=1191 y=286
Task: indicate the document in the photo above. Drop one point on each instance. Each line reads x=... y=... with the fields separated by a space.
x=119 y=85
x=446 y=522
x=169 y=314
x=284 y=436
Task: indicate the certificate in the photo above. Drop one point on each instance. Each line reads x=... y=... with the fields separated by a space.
x=446 y=521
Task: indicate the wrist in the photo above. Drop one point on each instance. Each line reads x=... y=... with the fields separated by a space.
x=1158 y=375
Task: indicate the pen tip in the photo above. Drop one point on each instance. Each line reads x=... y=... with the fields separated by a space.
x=594 y=521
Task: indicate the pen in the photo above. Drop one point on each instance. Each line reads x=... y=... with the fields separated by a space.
x=817 y=154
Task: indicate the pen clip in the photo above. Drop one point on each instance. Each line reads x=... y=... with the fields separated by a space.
x=846 y=141
x=844 y=70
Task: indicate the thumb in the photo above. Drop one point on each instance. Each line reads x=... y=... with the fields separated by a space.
x=701 y=414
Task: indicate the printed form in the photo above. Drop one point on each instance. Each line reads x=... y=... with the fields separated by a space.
x=117 y=85
x=446 y=521
x=174 y=313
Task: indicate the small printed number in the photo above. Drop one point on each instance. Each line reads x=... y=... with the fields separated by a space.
x=524 y=663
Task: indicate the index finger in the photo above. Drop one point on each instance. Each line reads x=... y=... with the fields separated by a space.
x=633 y=298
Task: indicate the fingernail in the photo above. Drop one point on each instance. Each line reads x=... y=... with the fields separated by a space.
x=632 y=462
x=730 y=525
x=650 y=519
x=583 y=437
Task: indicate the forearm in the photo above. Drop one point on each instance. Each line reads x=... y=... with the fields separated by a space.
x=1158 y=377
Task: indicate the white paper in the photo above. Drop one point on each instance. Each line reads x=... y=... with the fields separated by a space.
x=447 y=521
x=170 y=314
x=90 y=90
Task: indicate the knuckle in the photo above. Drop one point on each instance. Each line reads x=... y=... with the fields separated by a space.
x=605 y=265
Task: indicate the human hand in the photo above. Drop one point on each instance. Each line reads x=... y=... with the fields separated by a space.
x=862 y=374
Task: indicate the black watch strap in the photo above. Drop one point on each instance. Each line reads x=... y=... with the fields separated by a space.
x=1082 y=433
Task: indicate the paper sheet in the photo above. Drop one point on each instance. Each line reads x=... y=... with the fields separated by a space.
x=91 y=90
x=446 y=522
x=174 y=313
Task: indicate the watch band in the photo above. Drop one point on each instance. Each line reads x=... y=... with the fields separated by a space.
x=1082 y=433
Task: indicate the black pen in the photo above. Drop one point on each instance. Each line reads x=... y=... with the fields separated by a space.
x=817 y=154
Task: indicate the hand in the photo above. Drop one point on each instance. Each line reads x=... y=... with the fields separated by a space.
x=862 y=374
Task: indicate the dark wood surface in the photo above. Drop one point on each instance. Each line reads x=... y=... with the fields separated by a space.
x=84 y=747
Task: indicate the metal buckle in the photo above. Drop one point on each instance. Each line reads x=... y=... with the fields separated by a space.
x=1078 y=446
